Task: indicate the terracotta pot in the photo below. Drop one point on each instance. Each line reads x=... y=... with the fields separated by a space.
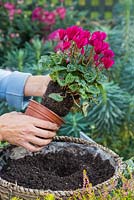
x=39 y=111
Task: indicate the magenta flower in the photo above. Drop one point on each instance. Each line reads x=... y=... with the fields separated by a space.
x=73 y=32
x=100 y=46
x=81 y=42
x=89 y=48
x=66 y=45
x=108 y=53
x=54 y=35
x=11 y=14
x=107 y=62
x=48 y=18
x=97 y=35
x=96 y=57
x=9 y=6
x=37 y=13
x=61 y=11
x=82 y=39
x=12 y=10
x=62 y=34
x=43 y=16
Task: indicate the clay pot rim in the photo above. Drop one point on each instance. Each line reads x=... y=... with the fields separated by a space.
x=44 y=109
x=39 y=112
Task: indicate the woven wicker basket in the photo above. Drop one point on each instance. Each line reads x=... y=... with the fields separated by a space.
x=8 y=190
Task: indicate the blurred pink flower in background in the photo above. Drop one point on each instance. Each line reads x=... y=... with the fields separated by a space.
x=9 y=6
x=61 y=11
x=37 y=13
x=49 y=18
x=12 y=10
x=11 y=14
x=43 y=16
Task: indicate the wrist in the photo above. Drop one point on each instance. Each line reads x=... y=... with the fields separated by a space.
x=36 y=85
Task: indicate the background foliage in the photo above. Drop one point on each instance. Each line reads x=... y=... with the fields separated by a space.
x=111 y=120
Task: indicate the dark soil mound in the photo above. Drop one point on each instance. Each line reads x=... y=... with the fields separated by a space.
x=60 y=108
x=61 y=170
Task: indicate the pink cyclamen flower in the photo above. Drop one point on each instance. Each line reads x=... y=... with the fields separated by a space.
x=9 y=6
x=108 y=53
x=82 y=39
x=75 y=34
x=61 y=11
x=81 y=42
x=54 y=35
x=62 y=34
x=37 y=13
x=99 y=35
x=100 y=46
x=72 y=32
x=108 y=62
x=66 y=45
x=96 y=57
x=74 y=41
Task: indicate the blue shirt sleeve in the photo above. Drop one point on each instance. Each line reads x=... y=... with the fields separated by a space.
x=12 y=88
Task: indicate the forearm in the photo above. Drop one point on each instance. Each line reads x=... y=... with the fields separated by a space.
x=12 y=88
x=16 y=87
x=36 y=85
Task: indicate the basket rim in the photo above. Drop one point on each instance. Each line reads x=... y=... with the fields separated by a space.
x=120 y=166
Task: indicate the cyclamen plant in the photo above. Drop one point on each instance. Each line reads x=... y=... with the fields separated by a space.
x=79 y=61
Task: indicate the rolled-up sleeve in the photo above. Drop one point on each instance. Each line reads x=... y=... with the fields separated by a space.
x=12 y=88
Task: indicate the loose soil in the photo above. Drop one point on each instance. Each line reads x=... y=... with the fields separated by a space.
x=57 y=171
x=60 y=108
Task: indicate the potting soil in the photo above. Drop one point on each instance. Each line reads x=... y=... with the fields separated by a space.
x=57 y=167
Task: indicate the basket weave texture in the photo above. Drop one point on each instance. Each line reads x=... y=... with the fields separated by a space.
x=9 y=190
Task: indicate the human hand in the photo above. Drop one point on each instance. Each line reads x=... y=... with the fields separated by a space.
x=26 y=131
x=36 y=85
